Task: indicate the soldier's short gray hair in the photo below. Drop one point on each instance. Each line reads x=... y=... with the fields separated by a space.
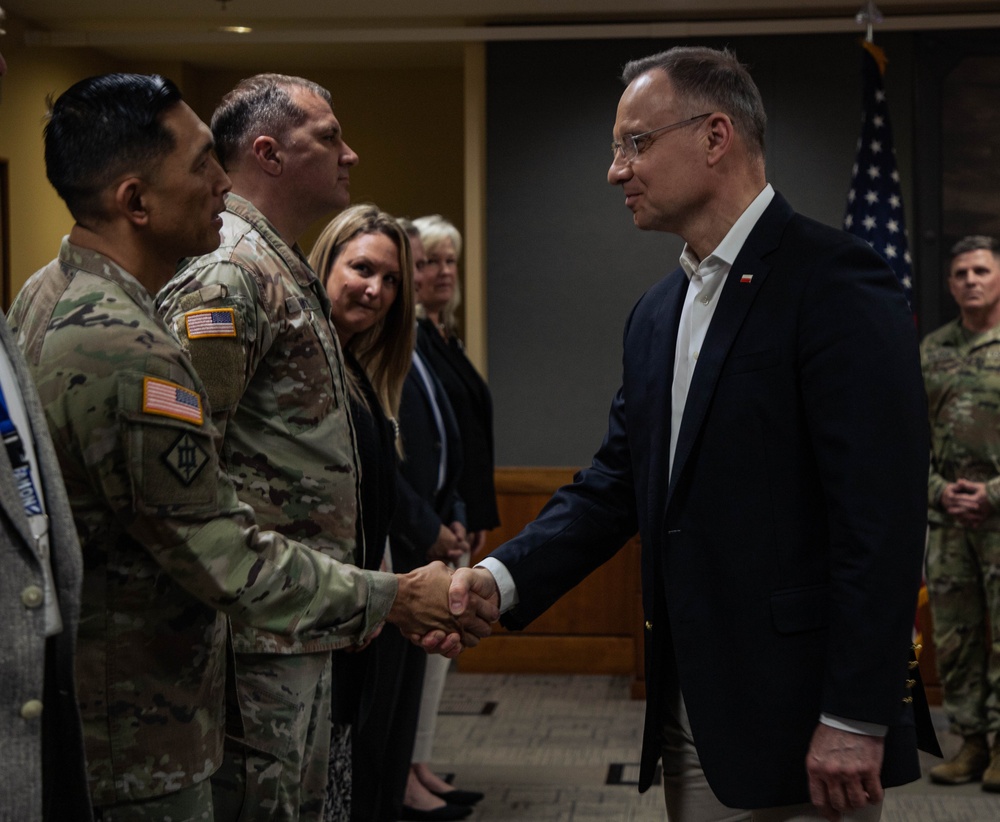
x=976 y=242
x=259 y=105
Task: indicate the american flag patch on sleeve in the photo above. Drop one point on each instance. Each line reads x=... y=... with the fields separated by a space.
x=210 y=322
x=171 y=400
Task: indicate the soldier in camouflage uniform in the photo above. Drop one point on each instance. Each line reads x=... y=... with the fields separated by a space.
x=166 y=541
x=276 y=382
x=961 y=364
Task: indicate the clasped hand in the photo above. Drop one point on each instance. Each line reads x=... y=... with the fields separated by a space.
x=967 y=502
x=473 y=595
x=427 y=611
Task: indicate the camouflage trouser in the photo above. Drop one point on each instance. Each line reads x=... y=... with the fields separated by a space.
x=191 y=804
x=278 y=770
x=963 y=582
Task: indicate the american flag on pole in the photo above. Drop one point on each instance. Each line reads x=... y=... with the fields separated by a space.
x=875 y=203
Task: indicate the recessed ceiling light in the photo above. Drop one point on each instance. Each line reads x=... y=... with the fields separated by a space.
x=236 y=29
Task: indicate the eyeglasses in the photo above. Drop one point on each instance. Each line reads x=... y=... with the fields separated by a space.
x=631 y=144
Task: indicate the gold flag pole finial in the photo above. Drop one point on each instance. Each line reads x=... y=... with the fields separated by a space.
x=869 y=15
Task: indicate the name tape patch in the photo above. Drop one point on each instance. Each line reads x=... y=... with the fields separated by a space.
x=210 y=322
x=171 y=400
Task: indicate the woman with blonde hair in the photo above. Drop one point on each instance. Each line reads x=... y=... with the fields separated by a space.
x=372 y=311
x=363 y=260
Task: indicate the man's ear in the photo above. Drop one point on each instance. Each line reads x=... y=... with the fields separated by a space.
x=266 y=152
x=129 y=200
x=721 y=137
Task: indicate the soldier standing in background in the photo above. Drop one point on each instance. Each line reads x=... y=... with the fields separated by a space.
x=961 y=365
x=276 y=379
x=166 y=542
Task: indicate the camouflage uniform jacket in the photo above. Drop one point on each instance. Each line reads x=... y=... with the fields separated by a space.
x=165 y=539
x=274 y=372
x=962 y=377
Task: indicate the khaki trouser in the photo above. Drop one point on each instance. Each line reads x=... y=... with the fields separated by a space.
x=690 y=799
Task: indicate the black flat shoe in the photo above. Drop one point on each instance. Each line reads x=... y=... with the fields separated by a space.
x=445 y=813
x=457 y=797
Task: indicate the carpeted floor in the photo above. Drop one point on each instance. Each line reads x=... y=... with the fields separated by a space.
x=565 y=749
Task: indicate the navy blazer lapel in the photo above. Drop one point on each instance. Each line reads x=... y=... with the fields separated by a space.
x=742 y=285
x=658 y=372
x=440 y=400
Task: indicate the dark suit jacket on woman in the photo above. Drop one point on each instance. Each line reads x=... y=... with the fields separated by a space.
x=385 y=747
x=781 y=562
x=420 y=508
x=473 y=406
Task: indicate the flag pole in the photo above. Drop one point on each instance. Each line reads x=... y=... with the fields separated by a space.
x=869 y=15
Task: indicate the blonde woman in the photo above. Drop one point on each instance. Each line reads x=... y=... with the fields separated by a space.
x=363 y=259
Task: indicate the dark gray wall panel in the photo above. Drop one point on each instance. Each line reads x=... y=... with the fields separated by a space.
x=565 y=264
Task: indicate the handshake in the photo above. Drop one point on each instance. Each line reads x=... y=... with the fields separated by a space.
x=445 y=611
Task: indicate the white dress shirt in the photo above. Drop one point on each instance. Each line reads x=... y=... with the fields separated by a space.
x=705 y=281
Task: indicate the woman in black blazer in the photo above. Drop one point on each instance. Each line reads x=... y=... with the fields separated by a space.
x=429 y=523
x=363 y=259
x=438 y=296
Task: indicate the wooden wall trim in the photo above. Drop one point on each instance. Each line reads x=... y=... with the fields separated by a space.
x=531 y=480
x=475 y=204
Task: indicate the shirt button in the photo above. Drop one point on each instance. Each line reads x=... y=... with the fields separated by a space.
x=706 y=300
x=32 y=596
x=694 y=355
x=32 y=709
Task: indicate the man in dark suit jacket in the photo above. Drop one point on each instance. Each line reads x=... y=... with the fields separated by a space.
x=769 y=443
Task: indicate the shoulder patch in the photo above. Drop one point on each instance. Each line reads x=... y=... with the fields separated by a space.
x=210 y=322
x=171 y=400
x=185 y=458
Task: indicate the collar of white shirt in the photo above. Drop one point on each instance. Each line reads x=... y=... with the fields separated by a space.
x=722 y=259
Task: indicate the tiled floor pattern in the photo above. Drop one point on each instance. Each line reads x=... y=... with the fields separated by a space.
x=541 y=748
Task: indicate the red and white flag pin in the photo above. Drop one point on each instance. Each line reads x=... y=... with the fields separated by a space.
x=746 y=278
